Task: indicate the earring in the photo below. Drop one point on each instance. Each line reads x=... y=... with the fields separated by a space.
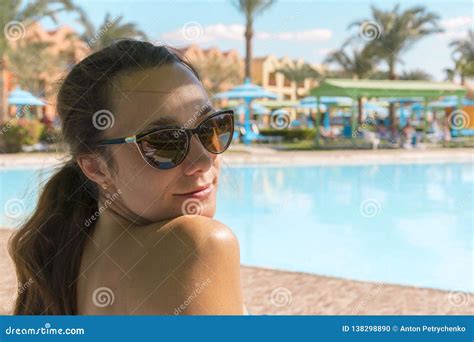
x=105 y=186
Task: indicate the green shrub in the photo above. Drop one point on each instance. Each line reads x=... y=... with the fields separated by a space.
x=292 y=134
x=50 y=135
x=20 y=132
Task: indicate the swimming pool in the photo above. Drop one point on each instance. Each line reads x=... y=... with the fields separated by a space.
x=408 y=224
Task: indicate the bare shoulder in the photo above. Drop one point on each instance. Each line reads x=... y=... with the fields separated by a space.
x=190 y=265
x=196 y=230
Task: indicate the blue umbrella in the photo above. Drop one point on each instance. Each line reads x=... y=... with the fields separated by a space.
x=449 y=102
x=374 y=107
x=20 y=97
x=309 y=102
x=446 y=102
x=256 y=109
x=402 y=99
x=248 y=92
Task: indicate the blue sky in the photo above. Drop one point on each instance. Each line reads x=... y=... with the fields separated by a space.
x=298 y=29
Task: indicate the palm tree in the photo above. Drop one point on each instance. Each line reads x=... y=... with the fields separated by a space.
x=298 y=73
x=16 y=15
x=449 y=74
x=359 y=63
x=463 y=56
x=397 y=32
x=109 y=31
x=250 y=9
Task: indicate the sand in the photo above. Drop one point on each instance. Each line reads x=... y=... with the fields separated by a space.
x=274 y=292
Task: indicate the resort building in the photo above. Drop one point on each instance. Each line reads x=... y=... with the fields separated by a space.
x=265 y=73
x=62 y=42
x=220 y=70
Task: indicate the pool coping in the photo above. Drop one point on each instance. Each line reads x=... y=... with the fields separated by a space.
x=269 y=157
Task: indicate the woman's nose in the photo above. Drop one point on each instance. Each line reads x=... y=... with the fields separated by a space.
x=198 y=159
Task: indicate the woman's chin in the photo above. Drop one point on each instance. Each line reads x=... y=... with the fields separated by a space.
x=195 y=206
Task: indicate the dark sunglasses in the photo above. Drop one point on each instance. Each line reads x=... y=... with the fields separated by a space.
x=166 y=147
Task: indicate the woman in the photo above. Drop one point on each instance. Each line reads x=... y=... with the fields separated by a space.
x=112 y=232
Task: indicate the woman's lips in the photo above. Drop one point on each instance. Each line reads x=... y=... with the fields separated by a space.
x=200 y=193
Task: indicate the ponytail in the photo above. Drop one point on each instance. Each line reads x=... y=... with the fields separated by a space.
x=47 y=249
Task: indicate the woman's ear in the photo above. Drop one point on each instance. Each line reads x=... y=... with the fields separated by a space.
x=95 y=168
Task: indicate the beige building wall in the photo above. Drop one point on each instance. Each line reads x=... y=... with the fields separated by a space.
x=63 y=41
x=195 y=54
x=264 y=73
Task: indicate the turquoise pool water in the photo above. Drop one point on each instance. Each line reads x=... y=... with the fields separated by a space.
x=403 y=224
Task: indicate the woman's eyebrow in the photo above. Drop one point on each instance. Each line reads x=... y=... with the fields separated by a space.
x=206 y=109
x=171 y=121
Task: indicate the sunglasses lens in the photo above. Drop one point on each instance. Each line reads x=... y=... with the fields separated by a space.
x=216 y=133
x=164 y=149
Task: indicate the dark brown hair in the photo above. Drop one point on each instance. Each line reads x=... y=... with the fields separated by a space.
x=47 y=249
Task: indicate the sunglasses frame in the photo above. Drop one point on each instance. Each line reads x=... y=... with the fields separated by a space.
x=188 y=132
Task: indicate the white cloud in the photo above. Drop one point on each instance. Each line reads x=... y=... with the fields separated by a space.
x=315 y=35
x=199 y=34
x=457 y=22
x=457 y=27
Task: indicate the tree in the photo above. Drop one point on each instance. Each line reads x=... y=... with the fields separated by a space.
x=250 y=9
x=29 y=74
x=218 y=71
x=463 y=56
x=359 y=63
x=416 y=74
x=397 y=31
x=15 y=16
x=449 y=74
x=109 y=31
x=298 y=73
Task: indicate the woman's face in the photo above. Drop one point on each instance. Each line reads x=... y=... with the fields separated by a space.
x=168 y=95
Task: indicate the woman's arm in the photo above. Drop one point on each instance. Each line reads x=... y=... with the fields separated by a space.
x=192 y=268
